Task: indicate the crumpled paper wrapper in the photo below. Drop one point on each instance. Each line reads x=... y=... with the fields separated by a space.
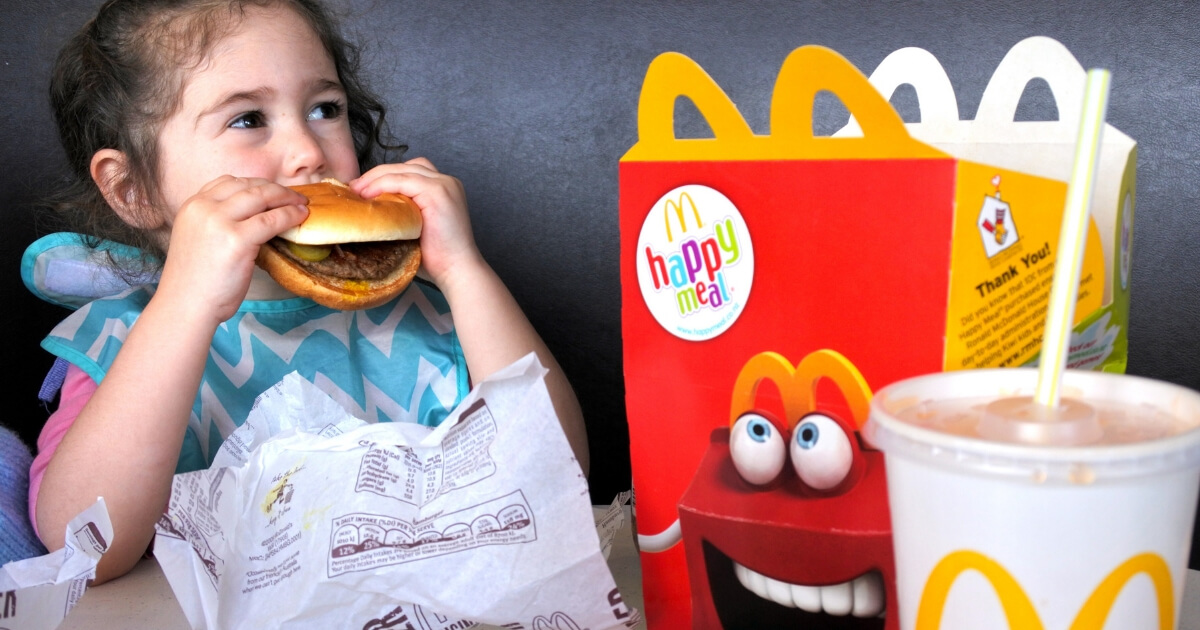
x=37 y=593
x=312 y=518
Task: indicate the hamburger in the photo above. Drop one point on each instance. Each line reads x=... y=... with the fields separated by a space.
x=350 y=253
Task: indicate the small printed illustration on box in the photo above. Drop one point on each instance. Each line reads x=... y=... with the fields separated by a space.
x=997 y=225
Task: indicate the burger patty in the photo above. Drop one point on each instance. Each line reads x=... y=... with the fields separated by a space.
x=355 y=261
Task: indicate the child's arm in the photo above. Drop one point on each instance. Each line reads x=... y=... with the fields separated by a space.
x=493 y=330
x=124 y=444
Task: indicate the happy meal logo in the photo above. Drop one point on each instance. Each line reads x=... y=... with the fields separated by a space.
x=996 y=224
x=695 y=262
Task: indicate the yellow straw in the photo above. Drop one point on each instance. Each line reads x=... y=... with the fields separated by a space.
x=1065 y=290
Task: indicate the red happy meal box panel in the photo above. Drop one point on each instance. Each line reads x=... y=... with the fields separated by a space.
x=790 y=244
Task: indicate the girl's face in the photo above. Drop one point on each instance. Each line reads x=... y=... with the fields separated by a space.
x=265 y=102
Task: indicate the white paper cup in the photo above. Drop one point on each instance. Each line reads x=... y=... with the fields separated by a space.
x=994 y=534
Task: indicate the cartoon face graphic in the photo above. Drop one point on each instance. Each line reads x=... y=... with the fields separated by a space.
x=786 y=521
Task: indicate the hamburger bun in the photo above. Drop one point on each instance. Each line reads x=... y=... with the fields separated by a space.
x=337 y=215
x=349 y=253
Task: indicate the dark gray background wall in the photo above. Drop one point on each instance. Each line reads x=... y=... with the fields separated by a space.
x=532 y=103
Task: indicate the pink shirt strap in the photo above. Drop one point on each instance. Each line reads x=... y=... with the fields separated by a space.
x=77 y=388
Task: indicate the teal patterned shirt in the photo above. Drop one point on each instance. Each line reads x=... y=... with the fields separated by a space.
x=399 y=362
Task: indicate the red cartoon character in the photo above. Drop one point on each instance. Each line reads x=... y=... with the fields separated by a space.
x=785 y=523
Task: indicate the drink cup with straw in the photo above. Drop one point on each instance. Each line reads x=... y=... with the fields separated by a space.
x=1030 y=499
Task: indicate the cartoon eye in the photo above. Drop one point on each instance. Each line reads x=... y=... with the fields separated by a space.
x=821 y=451
x=757 y=449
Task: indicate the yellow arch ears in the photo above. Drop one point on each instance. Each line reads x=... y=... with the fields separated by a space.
x=798 y=385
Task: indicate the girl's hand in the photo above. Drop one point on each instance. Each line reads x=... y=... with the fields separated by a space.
x=215 y=238
x=446 y=240
x=491 y=328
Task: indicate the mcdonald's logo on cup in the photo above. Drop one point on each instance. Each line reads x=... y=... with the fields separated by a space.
x=998 y=533
x=1018 y=607
x=695 y=262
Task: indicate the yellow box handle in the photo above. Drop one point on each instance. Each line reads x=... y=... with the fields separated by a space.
x=806 y=71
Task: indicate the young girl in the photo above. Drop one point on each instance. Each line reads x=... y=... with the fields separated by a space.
x=184 y=122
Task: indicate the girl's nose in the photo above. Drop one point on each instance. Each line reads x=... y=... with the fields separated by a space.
x=303 y=155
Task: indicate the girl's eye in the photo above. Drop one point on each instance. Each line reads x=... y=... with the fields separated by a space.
x=248 y=120
x=325 y=111
x=821 y=451
x=757 y=449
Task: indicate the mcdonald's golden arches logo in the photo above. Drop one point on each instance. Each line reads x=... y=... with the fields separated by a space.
x=685 y=200
x=1018 y=607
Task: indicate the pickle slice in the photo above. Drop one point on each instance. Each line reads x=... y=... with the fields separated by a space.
x=311 y=253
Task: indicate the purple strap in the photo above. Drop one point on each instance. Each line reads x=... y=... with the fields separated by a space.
x=54 y=380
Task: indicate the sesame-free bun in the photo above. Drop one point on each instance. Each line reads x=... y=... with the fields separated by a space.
x=374 y=252
x=337 y=215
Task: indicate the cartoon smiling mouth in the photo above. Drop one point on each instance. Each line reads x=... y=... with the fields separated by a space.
x=745 y=598
x=860 y=597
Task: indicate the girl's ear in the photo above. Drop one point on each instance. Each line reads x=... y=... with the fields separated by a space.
x=110 y=171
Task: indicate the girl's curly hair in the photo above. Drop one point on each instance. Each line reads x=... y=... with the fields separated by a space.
x=119 y=78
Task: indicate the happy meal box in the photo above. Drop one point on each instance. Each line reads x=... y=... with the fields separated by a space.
x=770 y=283
x=1039 y=147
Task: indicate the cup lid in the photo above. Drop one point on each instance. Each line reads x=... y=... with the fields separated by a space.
x=1146 y=427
